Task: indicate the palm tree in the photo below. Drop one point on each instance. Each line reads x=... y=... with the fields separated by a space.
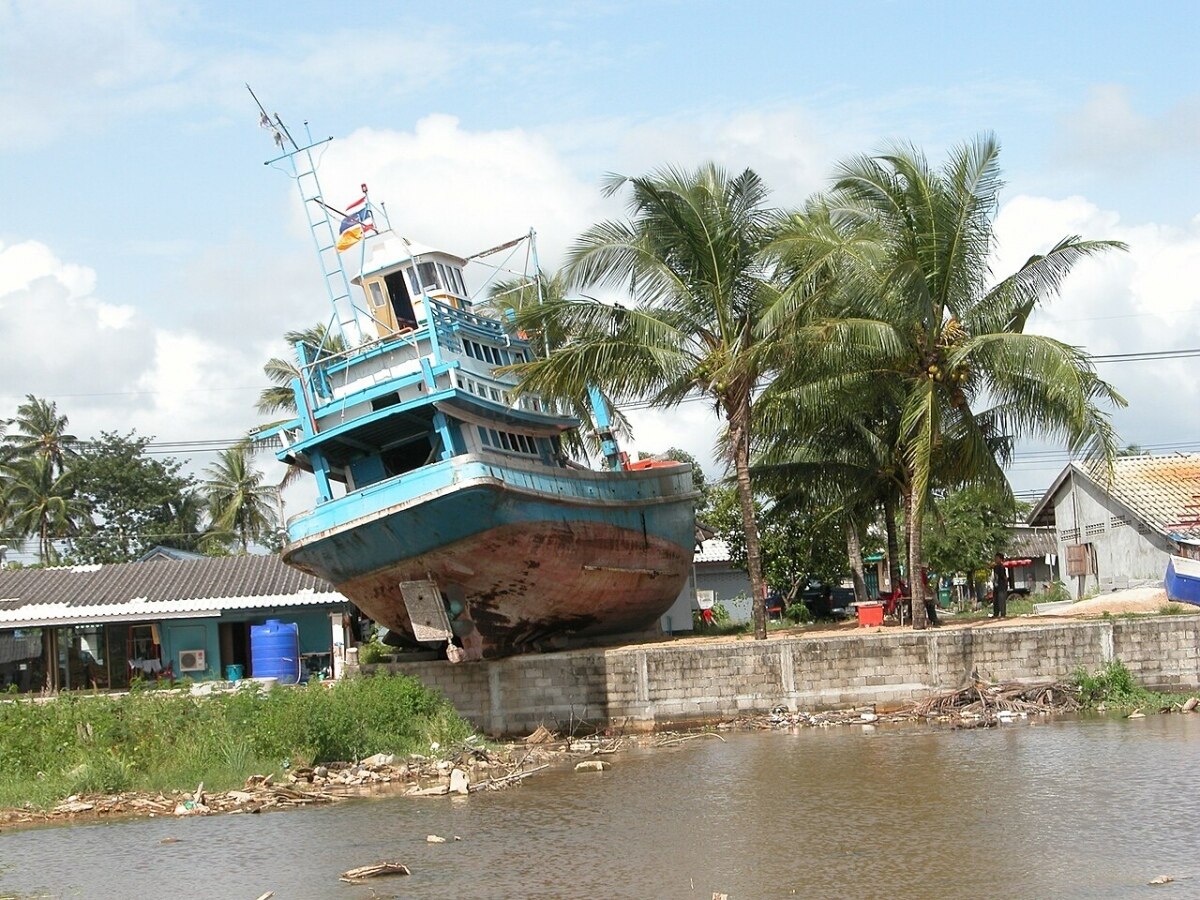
x=516 y=299
x=692 y=257
x=239 y=504
x=280 y=396
x=38 y=501
x=919 y=311
x=41 y=431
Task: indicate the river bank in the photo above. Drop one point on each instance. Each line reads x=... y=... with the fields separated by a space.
x=475 y=766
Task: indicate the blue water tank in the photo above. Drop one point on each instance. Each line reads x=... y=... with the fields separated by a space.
x=275 y=651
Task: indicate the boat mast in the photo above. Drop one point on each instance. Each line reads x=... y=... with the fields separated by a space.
x=316 y=211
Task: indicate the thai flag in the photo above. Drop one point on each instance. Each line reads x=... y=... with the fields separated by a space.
x=356 y=224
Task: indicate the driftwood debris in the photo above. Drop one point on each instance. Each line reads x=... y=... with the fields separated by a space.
x=979 y=705
x=375 y=870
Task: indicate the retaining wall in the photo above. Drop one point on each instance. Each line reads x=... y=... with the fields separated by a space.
x=690 y=681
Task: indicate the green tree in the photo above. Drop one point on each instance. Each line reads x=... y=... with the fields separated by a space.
x=966 y=529
x=240 y=506
x=516 y=300
x=920 y=310
x=692 y=256
x=41 y=503
x=41 y=431
x=279 y=397
x=799 y=542
x=135 y=501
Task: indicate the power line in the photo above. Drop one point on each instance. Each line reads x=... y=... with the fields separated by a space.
x=1143 y=356
x=1146 y=355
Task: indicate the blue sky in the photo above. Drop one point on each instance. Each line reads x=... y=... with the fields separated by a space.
x=149 y=263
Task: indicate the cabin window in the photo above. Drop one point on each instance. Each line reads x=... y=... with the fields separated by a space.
x=377 y=299
x=456 y=277
x=429 y=276
x=507 y=440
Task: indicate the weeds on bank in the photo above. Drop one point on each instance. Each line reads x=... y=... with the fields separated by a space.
x=156 y=740
x=1114 y=686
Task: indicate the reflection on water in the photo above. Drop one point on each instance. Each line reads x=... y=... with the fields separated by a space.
x=1072 y=808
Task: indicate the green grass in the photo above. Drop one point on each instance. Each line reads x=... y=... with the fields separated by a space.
x=158 y=740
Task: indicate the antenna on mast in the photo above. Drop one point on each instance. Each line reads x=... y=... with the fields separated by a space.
x=275 y=126
x=304 y=172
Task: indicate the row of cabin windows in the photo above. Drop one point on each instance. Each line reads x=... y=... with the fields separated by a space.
x=489 y=354
x=506 y=440
x=427 y=277
x=479 y=389
x=487 y=393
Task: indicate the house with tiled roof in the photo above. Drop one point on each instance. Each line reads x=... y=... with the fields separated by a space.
x=102 y=626
x=1117 y=531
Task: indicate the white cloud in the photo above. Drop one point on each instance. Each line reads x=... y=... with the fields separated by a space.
x=67 y=64
x=109 y=367
x=1142 y=300
x=462 y=190
x=1110 y=133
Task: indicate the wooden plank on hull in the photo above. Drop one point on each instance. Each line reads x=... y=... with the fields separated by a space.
x=426 y=611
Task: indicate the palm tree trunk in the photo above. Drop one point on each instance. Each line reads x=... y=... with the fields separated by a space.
x=893 y=541
x=741 y=462
x=854 y=551
x=916 y=584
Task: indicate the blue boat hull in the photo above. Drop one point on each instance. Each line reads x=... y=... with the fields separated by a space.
x=1183 y=580
x=530 y=553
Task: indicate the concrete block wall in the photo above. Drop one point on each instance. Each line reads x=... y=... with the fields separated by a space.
x=691 y=682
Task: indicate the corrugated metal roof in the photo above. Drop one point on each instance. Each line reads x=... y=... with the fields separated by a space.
x=1032 y=542
x=1164 y=491
x=711 y=551
x=156 y=588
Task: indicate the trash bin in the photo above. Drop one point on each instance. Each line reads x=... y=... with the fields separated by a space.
x=869 y=614
x=944 y=595
x=234 y=672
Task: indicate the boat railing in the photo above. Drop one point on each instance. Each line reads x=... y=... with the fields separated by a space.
x=319 y=370
x=448 y=316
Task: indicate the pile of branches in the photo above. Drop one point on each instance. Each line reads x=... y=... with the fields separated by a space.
x=986 y=702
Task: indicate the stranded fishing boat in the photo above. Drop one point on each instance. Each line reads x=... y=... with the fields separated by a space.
x=1183 y=579
x=447 y=508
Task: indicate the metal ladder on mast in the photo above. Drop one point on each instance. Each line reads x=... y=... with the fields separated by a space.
x=316 y=211
x=337 y=285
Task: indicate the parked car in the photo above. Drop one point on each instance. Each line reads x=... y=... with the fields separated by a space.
x=826 y=601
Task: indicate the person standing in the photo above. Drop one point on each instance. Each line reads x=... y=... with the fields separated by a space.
x=999 y=588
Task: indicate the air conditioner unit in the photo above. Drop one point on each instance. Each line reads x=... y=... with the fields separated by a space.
x=192 y=661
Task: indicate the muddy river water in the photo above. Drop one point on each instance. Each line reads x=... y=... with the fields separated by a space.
x=1092 y=807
